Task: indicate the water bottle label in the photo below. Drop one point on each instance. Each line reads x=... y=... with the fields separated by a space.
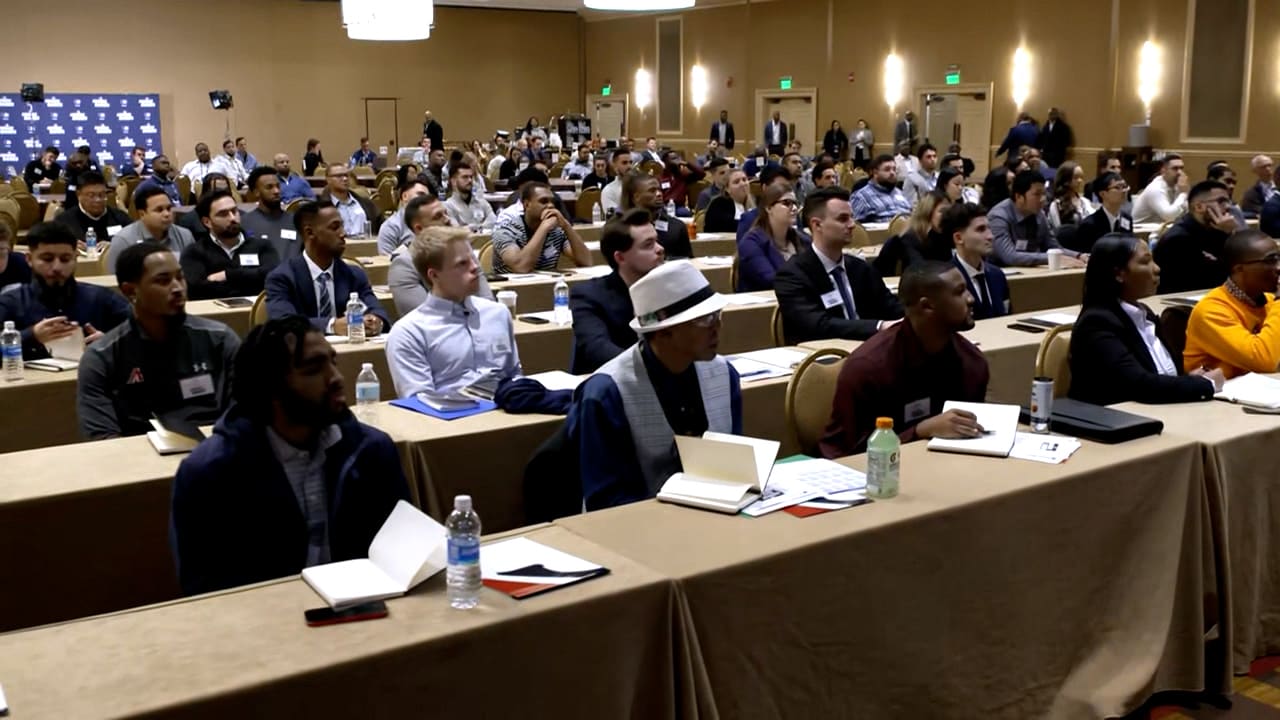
x=367 y=392
x=11 y=351
x=355 y=318
x=464 y=551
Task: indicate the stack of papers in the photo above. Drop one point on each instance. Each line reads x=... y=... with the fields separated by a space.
x=1255 y=391
x=999 y=421
x=717 y=260
x=1189 y=300
x=719 y=474
x=750 y=370
x=1051 y=449
x=344 y=340
x=523 y=568
x=447 y=402
x=749 y=299
x=595 y=270
x=823 y=481
x=786 y=358
x=1052 y=319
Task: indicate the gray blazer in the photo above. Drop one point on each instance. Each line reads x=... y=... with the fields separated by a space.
x=178 y=239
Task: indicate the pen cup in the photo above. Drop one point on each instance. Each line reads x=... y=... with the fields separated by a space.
x=1055 y=259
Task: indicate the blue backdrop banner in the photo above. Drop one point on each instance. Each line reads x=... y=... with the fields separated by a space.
x=111 y=124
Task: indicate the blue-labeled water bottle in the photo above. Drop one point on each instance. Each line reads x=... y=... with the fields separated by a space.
x=560 y=307
x=91 y=243
x=463 y=575
x=368 y=391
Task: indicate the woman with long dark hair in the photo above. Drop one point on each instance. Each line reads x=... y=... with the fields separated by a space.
x=772 y=240
x=1118 y=352
x=864 y=142
x=835 y=143
x=313 y=158
x=1069 y=206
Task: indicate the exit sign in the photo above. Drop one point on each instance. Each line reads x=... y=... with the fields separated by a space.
x=785 y=83
x=953 y=78
x=606 y=90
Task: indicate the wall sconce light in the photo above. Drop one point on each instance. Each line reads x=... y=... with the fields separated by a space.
x=644 y=88
x=698 y=86
x=894 y=80
x=1150 y=68
x=1021 y=76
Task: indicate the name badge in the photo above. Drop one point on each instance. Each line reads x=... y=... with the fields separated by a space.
x=248 y=259
x=916 y=410
x=1125 y=224
x=666 y=186
x=1020 y=246
x=288 y=234
x=112 y=230
x=71 y=188
x=196 y=386
x=660 y=225
x=831 y=299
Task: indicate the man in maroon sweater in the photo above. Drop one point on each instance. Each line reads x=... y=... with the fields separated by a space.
x=907 y=371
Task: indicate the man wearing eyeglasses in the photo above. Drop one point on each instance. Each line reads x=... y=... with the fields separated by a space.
x=91 y=211
x=355 y=210
x=1190 y=253
x=1113 y=192
x=1236 y=327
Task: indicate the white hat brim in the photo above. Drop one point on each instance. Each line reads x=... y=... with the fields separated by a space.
x=706 y=307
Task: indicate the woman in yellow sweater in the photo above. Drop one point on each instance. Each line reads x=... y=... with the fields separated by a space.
x=1236 y=327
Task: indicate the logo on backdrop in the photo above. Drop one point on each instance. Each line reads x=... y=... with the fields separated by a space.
x=149 y=129
x=55 y=129
x=109 y=123
x=53 y=101
x=102 y=129
x=146 y=102
x=78 y=116
x=8 y=130
x=6 y=101
x=101 y=102
x=124 y=116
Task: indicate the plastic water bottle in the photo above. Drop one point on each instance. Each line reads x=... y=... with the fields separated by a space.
x=882 y=461
x=560 y=309
x=355 y=319
x=671 y=208
x=11 y=348
x=368 y=392
x=463 y=527
x=91 y=243
x=596 y=216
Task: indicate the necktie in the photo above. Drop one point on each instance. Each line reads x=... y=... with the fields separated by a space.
x=837 y=277
x=1115 y=227
x=326 y=302
x=981 y=282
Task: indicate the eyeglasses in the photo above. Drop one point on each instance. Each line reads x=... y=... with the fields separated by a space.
x=707 y=321
x=1272 y=259
x=94 y=196
x=1123 y=187
x=789 y=204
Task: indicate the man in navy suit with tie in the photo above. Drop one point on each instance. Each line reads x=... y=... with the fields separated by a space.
x=318 y=284
x=966 y=225
x=825 y=293
x=722 y=131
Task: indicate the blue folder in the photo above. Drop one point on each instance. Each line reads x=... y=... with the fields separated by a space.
x=418 y=406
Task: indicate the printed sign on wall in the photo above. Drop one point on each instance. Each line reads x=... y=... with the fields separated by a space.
x=111 y=124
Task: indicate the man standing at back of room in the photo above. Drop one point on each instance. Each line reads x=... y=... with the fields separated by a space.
x=432 y=129
x=775 y=134
x=1260 y=192
x=722 y=131
x=270 y=221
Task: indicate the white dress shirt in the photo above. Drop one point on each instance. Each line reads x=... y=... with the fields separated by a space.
x=196 y=170
x=611 y=196
x=443 y=346
x=232 y=168
x=829 y=266
x=316 y=282
x=1147 y=329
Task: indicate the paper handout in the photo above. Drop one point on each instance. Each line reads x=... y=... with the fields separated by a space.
x=724 y=473
x=1253 y=391
x=409 y=548
x=522 y=568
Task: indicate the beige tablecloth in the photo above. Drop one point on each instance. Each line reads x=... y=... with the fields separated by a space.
x=1244 y=495
x=537 y=295
x=989 y=588
x=606 y=648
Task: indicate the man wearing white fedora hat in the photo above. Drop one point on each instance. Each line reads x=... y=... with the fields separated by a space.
x=625 y=417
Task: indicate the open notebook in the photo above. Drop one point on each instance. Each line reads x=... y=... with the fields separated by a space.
x=409 y=548
x=65 y=353
x=1254 y=391
x=722 y=472
x=999 y=421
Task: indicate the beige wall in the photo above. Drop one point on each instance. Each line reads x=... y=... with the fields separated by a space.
x=1074 y=67
x=292 y=70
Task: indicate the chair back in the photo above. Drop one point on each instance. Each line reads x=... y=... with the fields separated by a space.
x=733 y=274
x=699 y=222
x=650 y=167
x=756 y=189
x=29 y=209
x=19 y=184
x=9 y=219
x=52 y=211
x=587 y=199
x=363 y=171
x=6 y=190
x=486 y=257
x=1053 y=359
x=1173 y=328
x=258 y=313
x=861 y=238
x=57 y=187
x=810 y=393
x=695 y=190
x=775 y=327
x=294 y=204
x=898 y=225
x=184 y=188
x=320 y=171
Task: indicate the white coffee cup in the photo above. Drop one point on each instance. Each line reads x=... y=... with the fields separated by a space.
x=1055 y=259
x=508 y=298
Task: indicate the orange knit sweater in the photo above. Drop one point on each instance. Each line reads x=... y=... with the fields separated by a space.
x=1227 y=333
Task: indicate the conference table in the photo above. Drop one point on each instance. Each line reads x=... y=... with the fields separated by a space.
x=1030 y=587
x=607 y=648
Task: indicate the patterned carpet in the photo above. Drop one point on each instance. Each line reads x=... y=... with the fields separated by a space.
x=1257 y=697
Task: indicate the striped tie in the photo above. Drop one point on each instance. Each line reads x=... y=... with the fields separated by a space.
x=326 y=302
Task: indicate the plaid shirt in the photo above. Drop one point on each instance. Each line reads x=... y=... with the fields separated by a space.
x=873 y=203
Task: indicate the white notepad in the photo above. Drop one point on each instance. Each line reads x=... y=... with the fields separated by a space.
x=722 y=472
x=409 y=548
x=1252 y=390
x=999 y=421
